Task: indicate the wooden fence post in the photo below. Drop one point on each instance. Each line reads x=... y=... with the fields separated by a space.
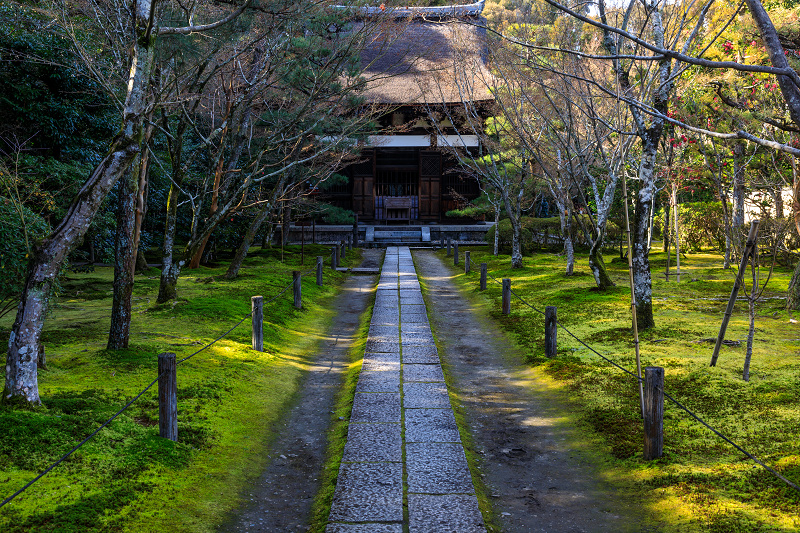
x=466 y=262
x=653 y=412
x=297 y=290
x=455 y=253
x=335 y=262
x=483 y=276
x=355 y=231
x=257 y=306
x=319 y=270
x=167 y=396
x=550 y=331
x=349 y=242
x=343 y=249
x=449 y=244
x=506 y=296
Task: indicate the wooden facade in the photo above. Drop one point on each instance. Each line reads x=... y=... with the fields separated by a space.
x=427 y=180
x=409 y=172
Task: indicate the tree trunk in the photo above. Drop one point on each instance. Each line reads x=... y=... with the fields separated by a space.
x=737 y=221
x=793 y=294
x=124 y=265
x=496 y=249
x=751 y=308
x=141 y=261
x=516 y=246
x=565 y=216
x=21 y=380
x=287 y=221
x=598 y=266
x=249 y=236
x=750 y=334
x=665 y=233
x=170 y=270
x=642 y=281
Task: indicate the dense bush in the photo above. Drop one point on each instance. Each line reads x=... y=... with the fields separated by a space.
x=701 y=224
x=546 y=232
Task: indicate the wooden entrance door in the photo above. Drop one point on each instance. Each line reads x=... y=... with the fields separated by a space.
x=430 y=175
x=364 y=185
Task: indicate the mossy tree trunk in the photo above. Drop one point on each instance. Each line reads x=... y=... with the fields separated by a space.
x=124 y=265
x=21 y=379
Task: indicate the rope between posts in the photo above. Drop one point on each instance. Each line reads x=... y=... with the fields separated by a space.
x=127 y=405
x=666 y=394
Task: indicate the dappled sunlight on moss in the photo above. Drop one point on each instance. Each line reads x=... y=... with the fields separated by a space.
x=229 y=399
x=701 y=483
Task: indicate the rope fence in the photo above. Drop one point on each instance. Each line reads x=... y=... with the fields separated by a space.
x=257 y=331
x=660 y=388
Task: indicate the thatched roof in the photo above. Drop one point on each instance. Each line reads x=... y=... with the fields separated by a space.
x=417 y=60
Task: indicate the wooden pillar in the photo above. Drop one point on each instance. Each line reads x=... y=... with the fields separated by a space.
x=455 y=253
x=506 y=296
x=257 y=306
x=355 y=231
x=335 y=261
x=466 y=262
x=167 y=396
x=550 y=331
x=483 y=276
x=297 y=289
x=319 y=270
x=343 y=249
x=653 y=412
x=449 y=243
x=349 y=242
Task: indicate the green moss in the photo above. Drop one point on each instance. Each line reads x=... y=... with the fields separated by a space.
x=127 y=478
x=701 y=483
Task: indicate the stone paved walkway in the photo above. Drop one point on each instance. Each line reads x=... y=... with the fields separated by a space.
x=403 y=464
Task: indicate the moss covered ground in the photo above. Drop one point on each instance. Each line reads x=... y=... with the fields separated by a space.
x=701 y=483
x=229 y=399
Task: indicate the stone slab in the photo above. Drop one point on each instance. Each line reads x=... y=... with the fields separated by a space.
x=431 y=425
x=381 y=317
x=414 y=372
x=411 y=337
x=376 y=407
x=431 y=395
x=383 y=380
x=372 y=358
x=437 y=468
x=364 y=528
x=414 y=298
x=368 y=492
x=448 y=513
x=420 y=354
x=414 y=318
x=417 y=328
x=364 y=270
x=377 y=345
x=381 y=331
x=373 y=443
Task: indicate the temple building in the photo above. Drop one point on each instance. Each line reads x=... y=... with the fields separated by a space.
x=421 y=68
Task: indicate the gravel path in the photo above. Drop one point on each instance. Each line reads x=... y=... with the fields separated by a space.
x=281 y=499
x=539 y=481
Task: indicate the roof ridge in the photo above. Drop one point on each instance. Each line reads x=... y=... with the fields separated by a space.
x=454 y=11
